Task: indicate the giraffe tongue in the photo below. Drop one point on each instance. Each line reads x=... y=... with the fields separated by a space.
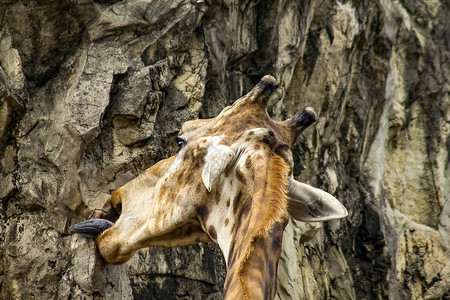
x=91 y=228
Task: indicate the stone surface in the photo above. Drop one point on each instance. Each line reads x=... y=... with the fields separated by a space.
x=92 y=91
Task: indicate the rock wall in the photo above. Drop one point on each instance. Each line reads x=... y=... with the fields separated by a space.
x=91 y=91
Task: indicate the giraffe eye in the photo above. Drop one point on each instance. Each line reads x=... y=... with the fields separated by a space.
x=180 y=142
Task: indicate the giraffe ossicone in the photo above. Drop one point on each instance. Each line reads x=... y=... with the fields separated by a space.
x=231 y=182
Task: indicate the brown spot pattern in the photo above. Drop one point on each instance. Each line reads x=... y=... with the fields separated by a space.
x=199 y=187
x=217 y=196
x=248 y=163
x=240 y=176
x=246 y=208
x=202 y=211
x=236 y=202
x=180 y=178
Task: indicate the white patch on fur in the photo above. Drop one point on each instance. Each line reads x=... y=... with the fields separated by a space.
x=222 y=212
x=216 y=161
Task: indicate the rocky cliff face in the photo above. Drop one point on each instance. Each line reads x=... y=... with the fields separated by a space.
x=90 y=91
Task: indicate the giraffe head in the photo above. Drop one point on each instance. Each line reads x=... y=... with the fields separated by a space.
x=230 y=182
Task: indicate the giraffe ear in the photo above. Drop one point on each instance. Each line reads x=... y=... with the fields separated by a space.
x=216 y=161
x=309 y=204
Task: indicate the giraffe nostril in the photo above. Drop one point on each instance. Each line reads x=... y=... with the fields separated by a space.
x=116 y=201
x=118 y=208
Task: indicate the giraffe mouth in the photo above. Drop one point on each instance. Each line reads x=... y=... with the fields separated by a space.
x=92 y=228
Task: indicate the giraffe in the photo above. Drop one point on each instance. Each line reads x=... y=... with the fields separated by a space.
x=231 y=182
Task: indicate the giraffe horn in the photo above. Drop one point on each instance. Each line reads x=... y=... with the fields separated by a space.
x=262 y=91
x=299 y=122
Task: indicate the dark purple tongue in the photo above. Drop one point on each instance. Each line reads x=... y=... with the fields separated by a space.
x=91 y=228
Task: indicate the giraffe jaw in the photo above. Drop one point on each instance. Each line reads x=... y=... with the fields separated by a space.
x=91 y=228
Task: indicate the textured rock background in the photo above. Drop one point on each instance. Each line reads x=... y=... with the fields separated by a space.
x=90 y=92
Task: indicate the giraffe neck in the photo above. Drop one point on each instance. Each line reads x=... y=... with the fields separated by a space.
x=248 y=223
x=252 y=268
